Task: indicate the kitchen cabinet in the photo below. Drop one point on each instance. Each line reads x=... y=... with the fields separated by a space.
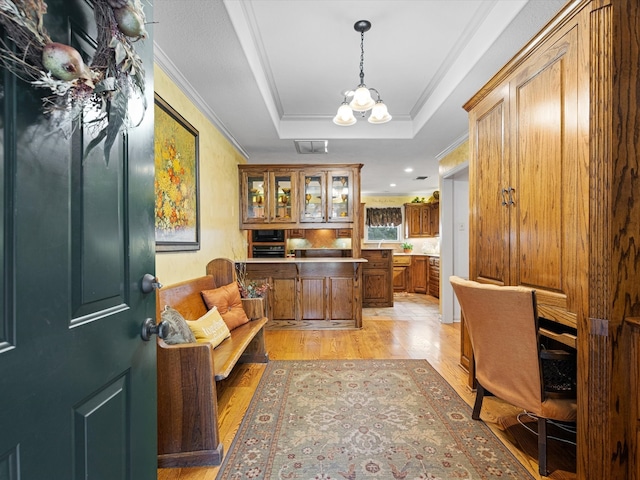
x=377 y=278
x=525 y=181
x=401 y=265
x=422 y=220
x=419 y=267
x=327 y=196
x=557 y=127
x=311 y=295
x=326 y=295
x=434 y=276
x=268 y=197
x=302 y=197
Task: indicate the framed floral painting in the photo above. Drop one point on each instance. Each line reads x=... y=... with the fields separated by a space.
x=177 y=215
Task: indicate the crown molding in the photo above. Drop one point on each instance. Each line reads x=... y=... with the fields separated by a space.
x=168 y=67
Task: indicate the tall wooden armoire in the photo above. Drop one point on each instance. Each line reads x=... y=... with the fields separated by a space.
x=555 y=205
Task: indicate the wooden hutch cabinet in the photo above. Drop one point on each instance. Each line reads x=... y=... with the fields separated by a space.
x=302 y=197
x=554 y=206
x=422 y=220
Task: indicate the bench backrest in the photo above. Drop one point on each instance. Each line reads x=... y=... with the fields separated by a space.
x=185 y=297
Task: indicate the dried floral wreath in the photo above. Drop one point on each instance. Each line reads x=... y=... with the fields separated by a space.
x=97 y=94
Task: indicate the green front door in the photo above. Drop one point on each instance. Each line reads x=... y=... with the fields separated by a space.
x=77 y=383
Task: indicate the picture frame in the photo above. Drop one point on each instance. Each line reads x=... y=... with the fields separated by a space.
x=176 y=185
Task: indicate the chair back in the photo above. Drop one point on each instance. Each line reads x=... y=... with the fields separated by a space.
x=503 y=328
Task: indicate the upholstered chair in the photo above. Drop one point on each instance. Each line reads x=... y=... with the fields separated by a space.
x=503 y=328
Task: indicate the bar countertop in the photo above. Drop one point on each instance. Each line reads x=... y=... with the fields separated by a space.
x=306 y=260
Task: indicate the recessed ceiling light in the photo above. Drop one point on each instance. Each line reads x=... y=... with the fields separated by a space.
x=408 y=169
x=392 y=184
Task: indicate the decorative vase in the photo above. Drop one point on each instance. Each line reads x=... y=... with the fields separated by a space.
x=407 y=250
x=254 y=307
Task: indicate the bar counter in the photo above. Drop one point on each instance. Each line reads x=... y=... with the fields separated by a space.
x=311 y=293
x=306 y=260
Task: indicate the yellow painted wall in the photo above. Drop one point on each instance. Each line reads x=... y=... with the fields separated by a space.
x=220 y=235
x=458 y=155
x=389 y=201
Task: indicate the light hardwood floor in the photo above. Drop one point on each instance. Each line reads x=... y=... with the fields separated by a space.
x=410 y=329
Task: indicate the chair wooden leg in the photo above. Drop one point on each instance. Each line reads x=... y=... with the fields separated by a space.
x=478 y=405
x=542 y=446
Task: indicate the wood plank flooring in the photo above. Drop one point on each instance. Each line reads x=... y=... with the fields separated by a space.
x=410 y=329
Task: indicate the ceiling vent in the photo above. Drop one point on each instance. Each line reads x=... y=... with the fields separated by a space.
x=421 y=178
x=315 y=147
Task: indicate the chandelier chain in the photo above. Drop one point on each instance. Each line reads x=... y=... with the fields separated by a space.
x=361 y=58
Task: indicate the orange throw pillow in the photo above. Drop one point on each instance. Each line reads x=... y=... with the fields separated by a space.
x=227 y=299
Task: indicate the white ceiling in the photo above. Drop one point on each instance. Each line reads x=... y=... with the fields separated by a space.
x=268 y=72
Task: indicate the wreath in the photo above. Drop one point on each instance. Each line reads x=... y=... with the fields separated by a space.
x=95 y=95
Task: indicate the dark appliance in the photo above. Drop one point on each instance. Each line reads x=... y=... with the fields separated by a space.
x=268 y=236
x=268 y=251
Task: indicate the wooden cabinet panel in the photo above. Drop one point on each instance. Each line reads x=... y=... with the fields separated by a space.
x=283 y=295
x=340 y=299
x=434 y=277
x=413 y=219
x=524 y=171
x=400 y=279
x=422 y=219
x=313 y=298
x=401 y=264
x=377 y=278
x=419 y=274
x=544 y=168
x=434 y=219
x=375 y=286
x=489 y=240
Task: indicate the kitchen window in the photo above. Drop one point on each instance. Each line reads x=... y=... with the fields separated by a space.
x=383 y=224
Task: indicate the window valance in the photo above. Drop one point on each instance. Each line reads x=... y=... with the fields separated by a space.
x=384 y=217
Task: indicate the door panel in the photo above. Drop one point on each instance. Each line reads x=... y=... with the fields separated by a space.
x=78 y=384
x=489 y=203
x=312 y=299
x=545 y=169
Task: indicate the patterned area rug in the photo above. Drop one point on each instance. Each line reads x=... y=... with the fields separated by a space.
x=356 y=419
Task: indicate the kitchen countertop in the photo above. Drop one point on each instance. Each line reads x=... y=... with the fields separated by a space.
x=418 y=254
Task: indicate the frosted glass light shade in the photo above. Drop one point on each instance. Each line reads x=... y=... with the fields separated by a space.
x=362 y=100
x=344 y=117
x=379 y=113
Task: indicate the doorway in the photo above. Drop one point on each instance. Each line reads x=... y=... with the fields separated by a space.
x=454 y=248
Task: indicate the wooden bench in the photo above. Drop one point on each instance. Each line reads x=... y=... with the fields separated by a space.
x=188 y=432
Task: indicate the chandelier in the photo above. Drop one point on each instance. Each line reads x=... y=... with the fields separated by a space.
x=360 y=99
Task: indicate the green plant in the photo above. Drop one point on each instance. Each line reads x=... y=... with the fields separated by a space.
x=407 y=246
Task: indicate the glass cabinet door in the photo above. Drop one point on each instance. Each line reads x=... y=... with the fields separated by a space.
x=313 y=199
x=283 y=197
x=340 y=197
x=254 y=197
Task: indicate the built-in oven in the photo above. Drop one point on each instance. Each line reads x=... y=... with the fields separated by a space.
x=268 y=236
x=267 y=251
